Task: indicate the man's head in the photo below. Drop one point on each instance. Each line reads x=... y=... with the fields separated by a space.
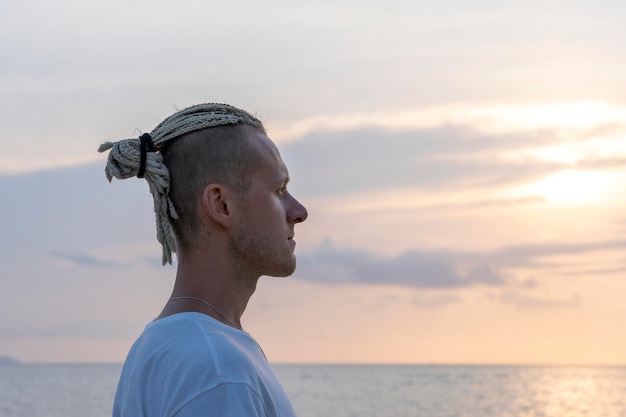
x=222 y=155
x=198 y=146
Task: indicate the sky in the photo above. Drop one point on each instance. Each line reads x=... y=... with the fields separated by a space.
x=463 y=165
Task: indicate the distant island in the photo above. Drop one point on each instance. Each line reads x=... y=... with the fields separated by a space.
x=5 y=360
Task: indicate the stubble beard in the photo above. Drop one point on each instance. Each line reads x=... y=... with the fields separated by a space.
x=260 y=255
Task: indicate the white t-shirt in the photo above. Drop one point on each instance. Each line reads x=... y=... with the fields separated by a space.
x=189 y=364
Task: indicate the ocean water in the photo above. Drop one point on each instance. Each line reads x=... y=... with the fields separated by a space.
x=352 y=390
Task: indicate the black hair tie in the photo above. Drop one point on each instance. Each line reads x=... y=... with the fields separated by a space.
x=145 y=146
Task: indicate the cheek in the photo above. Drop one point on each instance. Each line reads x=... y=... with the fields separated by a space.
x=269 y=208
x=277 y=205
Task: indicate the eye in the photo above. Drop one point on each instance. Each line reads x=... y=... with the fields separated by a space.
x=282 y=190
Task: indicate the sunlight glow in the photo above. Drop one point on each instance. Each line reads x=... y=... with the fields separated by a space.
x=582 y=114
x=575 y=151
x=570 y=187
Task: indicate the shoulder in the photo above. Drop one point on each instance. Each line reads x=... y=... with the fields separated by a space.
x=190 y=359
x=197 y=344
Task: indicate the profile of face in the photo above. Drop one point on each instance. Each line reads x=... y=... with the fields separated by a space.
x=263 y=236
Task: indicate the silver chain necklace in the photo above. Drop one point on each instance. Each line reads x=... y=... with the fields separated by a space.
x=229 y=322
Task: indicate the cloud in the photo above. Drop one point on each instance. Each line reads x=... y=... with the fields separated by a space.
x=155 y=261
x=581 y=119
x=86 y=325
x=526 y=255
x=83 y=259
x=430 y=268
x=320 y=68
x=65 y=211
x=447 y=157
x=600 y=271
x=434 y=301
x=419 y=269
x=526 y=302
x=499 y=202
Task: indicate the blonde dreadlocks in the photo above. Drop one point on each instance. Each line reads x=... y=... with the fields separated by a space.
x=142 y=157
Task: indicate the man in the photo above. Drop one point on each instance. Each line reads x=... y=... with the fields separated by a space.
x=221 y=201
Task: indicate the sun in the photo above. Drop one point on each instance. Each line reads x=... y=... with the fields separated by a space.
x=571 y=187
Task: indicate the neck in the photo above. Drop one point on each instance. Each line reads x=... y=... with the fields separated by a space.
x=212 y=280
x=214 y=309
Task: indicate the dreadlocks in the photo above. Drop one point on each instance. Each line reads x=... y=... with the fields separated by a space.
x=200 y=143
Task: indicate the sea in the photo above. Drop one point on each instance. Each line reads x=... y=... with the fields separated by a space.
x=81 y=390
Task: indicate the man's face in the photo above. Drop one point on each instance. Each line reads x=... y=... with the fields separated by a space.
x=263 y=236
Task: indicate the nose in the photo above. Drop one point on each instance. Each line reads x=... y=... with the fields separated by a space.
x=296 y=213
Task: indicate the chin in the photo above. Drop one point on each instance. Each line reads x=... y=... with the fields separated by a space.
x=283 y=273
x=284 y=270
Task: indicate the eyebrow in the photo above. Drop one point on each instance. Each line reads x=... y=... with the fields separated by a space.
x=284 y=179
x=282 y=176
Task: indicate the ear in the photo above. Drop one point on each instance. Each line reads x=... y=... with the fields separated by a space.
x=216 y=204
